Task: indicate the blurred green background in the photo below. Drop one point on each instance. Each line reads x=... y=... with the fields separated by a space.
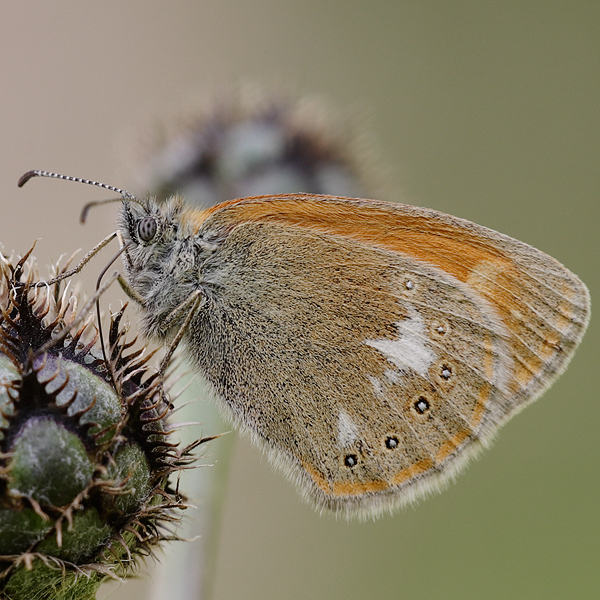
x=488 y=111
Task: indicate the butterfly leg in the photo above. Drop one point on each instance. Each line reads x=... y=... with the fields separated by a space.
x=80 y=264
x=190 y=305
x=129 y=290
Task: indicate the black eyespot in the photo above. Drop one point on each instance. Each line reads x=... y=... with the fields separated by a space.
x=351 y=460
x=147 y=228
x=446 y=372
x=422 y=405
x=391 y=443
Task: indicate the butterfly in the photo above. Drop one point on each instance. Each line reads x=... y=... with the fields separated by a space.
x=370 y=348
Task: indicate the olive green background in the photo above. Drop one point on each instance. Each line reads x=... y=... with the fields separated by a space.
x=488 y=111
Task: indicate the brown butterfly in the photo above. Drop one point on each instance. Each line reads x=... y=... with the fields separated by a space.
x=370 y=348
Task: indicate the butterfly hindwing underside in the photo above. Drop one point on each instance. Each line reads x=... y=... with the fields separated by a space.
x=370 y=347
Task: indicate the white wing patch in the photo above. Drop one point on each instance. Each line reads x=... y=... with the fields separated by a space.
x=410 y=350
x=392 y=376
x=347 y=430
x=377 y=389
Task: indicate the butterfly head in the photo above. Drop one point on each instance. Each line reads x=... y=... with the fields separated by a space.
x=161 y=260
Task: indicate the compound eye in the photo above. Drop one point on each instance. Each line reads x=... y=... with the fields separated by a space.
x=147 y=228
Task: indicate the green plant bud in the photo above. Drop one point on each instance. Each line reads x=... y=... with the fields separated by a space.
x=20 y=529
x=81 y=540
x=54 y=583
x=71 y=377
x=131 y=471
x=49 y=463
x=85 y=452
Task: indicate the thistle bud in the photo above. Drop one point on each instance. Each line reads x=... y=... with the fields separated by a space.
x=85 y=450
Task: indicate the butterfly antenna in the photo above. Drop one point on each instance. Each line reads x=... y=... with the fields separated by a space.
x=30 y=174
x=125 y=194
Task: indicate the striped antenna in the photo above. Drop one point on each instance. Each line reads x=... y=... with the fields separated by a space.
x=125 y=195
x=25 y=178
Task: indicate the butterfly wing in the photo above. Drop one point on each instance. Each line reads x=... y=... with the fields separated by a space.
x=372 y=347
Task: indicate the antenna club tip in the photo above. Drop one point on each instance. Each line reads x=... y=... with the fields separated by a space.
x=26 y=177
x=84 y=213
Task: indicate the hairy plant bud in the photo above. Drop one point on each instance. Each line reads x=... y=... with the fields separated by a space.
x=85 y=450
